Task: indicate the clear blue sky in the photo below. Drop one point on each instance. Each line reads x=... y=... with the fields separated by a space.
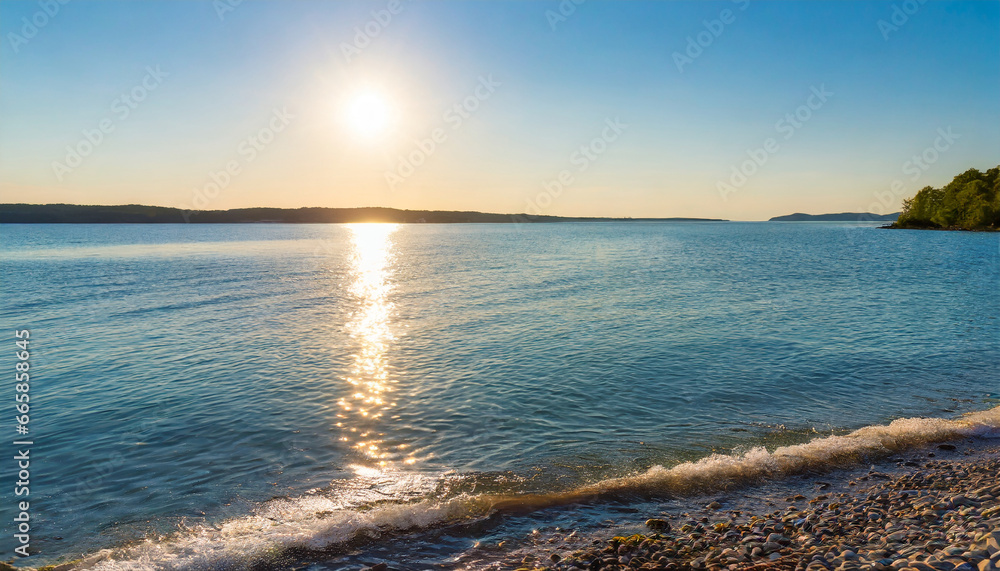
x=356 y=131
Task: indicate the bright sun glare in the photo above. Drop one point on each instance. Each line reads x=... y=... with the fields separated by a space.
x=369 y=114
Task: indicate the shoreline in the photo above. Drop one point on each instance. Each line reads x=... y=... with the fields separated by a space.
x=932 y=508
x=21 y=213
x=685 y=516
x=938 y=228
x=723 y=502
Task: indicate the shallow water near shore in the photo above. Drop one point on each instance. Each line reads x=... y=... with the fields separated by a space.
x=213 y=396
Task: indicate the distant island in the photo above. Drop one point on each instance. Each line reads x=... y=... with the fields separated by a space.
x=840 y=217
x=139 y=214
x=971 y=201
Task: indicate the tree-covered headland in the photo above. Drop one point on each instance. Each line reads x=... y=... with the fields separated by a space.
x=971 y=201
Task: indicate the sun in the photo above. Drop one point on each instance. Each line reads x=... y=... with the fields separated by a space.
x=369 y=114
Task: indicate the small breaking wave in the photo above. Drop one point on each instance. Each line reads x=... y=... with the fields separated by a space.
x=820 y=454
x=284 y=529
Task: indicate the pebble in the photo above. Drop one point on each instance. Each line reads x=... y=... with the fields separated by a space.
x=657 y=524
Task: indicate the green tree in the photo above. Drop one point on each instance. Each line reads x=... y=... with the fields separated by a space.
x=971 y=201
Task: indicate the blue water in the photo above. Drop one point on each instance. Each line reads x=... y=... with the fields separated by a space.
x=185 y=377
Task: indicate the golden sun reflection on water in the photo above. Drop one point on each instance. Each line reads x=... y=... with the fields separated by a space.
x=369 y=377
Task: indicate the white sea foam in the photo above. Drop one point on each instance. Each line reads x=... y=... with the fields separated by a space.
x=720 y=470
x=309 y=523
x=315 y=523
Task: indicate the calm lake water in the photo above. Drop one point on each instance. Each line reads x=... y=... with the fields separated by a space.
x=223 y=389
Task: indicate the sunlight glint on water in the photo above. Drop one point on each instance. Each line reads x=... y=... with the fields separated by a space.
x=362 y=415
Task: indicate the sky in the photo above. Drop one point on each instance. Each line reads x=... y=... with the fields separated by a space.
x=740 y=110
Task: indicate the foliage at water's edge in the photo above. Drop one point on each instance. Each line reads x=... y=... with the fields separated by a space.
x=971 y=201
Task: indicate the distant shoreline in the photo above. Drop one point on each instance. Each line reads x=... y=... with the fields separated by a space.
x=838 y=217
x=139 y=214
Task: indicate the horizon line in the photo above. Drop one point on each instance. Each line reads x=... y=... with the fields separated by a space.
x=524 y=216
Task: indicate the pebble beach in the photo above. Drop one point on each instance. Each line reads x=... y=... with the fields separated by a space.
x=935 y=510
